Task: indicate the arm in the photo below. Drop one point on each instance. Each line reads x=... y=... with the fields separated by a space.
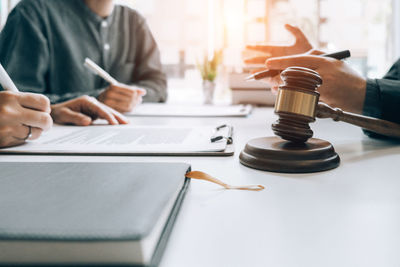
x=148 y=71
x=25 y=54
x=382 y=98
x=24 y=51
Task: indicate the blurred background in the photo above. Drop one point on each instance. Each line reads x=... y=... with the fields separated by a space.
x=186 y=30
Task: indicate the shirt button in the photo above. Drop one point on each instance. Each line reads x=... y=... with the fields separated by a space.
x=104 y=24
x=106 y=47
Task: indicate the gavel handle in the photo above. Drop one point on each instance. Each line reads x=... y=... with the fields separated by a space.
x=375 y=125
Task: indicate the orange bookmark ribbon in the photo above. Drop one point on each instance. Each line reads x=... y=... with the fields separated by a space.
x=204 y=176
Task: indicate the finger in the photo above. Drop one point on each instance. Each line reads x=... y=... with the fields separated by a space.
x=24 y=133
x=256 y=60
x=35 y=133
x=20 y=131
x=120 y=97
x=103 y=112
x=118 y=116
x=128 y=89
x=114 y=89
x=34 y=101
x=257 y=70
x=137 y=101
x=118 y=105
x=68 y=116
x=37 y=119
x=315 y=52
x=281 y=63
x=298 y=34
x=261 y=48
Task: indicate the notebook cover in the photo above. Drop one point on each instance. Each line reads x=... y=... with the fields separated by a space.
x=30 y=205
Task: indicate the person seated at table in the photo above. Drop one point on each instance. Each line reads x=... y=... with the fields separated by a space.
x=45 y=42
x=24 y=116
x=342 y=86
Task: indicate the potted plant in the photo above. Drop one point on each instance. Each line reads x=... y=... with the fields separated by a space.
x=209 y=71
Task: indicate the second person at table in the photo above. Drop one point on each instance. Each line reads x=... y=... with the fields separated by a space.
x=44 y=43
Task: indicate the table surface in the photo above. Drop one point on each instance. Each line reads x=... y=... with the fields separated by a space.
x=349 y=216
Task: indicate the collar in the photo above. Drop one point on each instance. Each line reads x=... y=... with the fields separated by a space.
x=93 y=16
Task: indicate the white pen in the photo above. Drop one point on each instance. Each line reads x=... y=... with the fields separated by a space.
x=96 y=69
x=6 y=81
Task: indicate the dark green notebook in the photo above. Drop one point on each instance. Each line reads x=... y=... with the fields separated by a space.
x=88 y=213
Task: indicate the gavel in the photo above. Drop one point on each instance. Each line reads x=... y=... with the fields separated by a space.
x=297 y=105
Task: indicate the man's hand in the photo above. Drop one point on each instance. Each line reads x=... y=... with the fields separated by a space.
x=122 y=97
x=83 y=111
x=23 y=116
x=301 y=45
x=276 y=80
x=341 y=87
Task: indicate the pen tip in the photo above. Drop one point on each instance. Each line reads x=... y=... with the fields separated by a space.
x=249 y=78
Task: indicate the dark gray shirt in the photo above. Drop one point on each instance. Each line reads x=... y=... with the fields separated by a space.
x=382 y=99
x=45 y=42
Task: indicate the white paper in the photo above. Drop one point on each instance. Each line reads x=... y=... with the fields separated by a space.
x=126 y=139
x=165 y=110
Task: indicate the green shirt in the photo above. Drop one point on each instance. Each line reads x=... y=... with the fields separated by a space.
x=45 y=42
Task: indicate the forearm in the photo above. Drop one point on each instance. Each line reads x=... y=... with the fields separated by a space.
x=382 y=101
x=156 y=90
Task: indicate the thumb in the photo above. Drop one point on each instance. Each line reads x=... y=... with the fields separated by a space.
x=281 y=63
x=68 y=116
x=315 y=52
x=297 y=33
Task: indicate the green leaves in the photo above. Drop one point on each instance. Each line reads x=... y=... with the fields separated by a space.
x=209 y=68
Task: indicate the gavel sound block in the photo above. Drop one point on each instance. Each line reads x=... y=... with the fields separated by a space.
x=295 y=151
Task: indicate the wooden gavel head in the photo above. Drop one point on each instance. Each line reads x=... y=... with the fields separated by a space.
x=296 y=104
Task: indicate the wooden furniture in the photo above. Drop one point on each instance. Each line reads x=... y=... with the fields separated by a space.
x=297 y=106
x=344 y=217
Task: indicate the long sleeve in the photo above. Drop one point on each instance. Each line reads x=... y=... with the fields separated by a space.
x=24 y=53
x=148 y=72
x=26 y=65
x=382 y=99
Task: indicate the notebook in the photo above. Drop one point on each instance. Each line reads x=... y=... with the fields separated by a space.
x=88 y=213
x=179 y=110
x=131 y=140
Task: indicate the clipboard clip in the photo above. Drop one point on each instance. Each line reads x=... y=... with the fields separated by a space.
x=229 y=137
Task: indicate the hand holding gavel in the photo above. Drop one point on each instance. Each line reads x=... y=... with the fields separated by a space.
x=297 y=105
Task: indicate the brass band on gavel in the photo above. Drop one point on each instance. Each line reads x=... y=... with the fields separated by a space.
x=297 y=102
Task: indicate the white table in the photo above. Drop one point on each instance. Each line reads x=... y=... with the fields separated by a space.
x=349 y=216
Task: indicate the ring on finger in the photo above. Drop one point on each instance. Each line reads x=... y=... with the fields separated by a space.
x=29 y=135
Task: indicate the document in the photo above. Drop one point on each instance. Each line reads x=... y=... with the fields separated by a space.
x=125 y=140
x=169 y=110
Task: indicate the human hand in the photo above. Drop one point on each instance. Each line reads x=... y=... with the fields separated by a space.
x=83 y=111
x=301 y=45
x=342 y=87
x=122 y=97
x=275 y=81
x=23 y=116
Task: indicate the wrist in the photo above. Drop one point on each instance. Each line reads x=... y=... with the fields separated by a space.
x=360 y=90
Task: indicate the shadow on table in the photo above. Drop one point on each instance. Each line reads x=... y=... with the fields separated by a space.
x=367 y=149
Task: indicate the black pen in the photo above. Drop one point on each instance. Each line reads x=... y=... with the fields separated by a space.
x=271 y=73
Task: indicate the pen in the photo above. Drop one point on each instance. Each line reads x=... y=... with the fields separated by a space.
x=96 y=69
x=6 y=81
x=270 y=73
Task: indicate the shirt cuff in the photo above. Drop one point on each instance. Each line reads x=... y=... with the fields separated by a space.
x=372 y=105
x=372 y=102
